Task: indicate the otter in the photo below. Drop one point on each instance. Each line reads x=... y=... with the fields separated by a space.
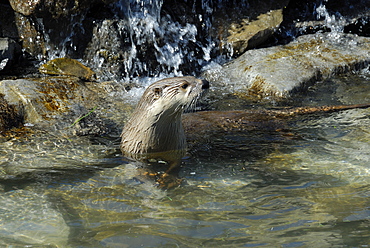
x=155 y=130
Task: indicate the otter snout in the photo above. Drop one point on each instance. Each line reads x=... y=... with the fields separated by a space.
x=205 y=84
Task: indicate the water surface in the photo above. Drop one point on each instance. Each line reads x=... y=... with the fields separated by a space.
x=304 y=185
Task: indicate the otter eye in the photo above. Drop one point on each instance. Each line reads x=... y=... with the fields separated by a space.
x=185 y=85
x=157 y=93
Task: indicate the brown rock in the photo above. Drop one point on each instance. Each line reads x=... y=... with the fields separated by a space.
x=67 y=67
x=32 y=40
x=10 y=115
x=24 y=7
x=249 y=34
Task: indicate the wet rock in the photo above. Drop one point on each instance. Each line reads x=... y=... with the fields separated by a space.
x=250 y=34
x=45 y=26
x=247 y=25
x=67 y=67
x=306 y=17
x=7 y=24
x=24 y=7
x=67 y=105
x=9 y=50
x=90 y=124
x=46 y=98
x=276 y=72
x=31 y=37
x=10 y=115
x=56 y=8
x=107 y=51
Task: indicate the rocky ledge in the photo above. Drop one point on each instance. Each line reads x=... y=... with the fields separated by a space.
x=277 y=72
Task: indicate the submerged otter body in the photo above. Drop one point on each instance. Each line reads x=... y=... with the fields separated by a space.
x=155 y=129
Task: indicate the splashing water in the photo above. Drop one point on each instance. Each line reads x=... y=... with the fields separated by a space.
x=61 y=42
x=168 y=44
x=335 y=22
x=138 y=40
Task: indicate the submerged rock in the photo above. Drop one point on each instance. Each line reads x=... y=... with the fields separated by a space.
x=67 y=67
x=29 y=219
x=276 y=72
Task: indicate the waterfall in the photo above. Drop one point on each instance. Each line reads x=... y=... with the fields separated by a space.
x=154 y=38
x=139 y=38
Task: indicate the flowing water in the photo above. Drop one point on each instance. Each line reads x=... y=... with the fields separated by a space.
x=304 y=184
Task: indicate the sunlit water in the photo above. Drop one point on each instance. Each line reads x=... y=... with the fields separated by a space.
x=305 y=185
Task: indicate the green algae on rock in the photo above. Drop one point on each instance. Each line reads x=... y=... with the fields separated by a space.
x=67 y=67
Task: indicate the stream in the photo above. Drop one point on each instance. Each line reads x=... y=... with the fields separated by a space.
x=305 y=184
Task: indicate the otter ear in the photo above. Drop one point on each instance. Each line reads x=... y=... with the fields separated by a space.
x=157 y=93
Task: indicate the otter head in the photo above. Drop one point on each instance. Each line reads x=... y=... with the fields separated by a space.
x=155 y=126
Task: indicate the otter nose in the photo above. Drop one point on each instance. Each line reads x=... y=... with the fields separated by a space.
x=205 y=84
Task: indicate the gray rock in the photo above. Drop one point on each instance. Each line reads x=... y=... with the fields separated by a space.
x=8 y=52
x=277 y=72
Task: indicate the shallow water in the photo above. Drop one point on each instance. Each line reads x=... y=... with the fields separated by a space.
x=305 y=185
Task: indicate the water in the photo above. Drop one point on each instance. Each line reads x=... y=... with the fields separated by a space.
x=305 y=184
x=139 y=39
x=334 y=22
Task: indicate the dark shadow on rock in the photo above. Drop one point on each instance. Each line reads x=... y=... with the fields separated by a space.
x=10 y=115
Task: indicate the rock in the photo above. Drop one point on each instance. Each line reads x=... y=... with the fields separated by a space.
x=31 y=38
x=248 y=25
x=44 y=99
x=65 y=104
x=107 y=44
x=7 y=23
x=67 y=67
x=10 y=115
x=250 y=34
x=311 y=16
x=276 y=72
x=24 y=7
x=44 y=27
x=8 y=52
x=56 y=8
